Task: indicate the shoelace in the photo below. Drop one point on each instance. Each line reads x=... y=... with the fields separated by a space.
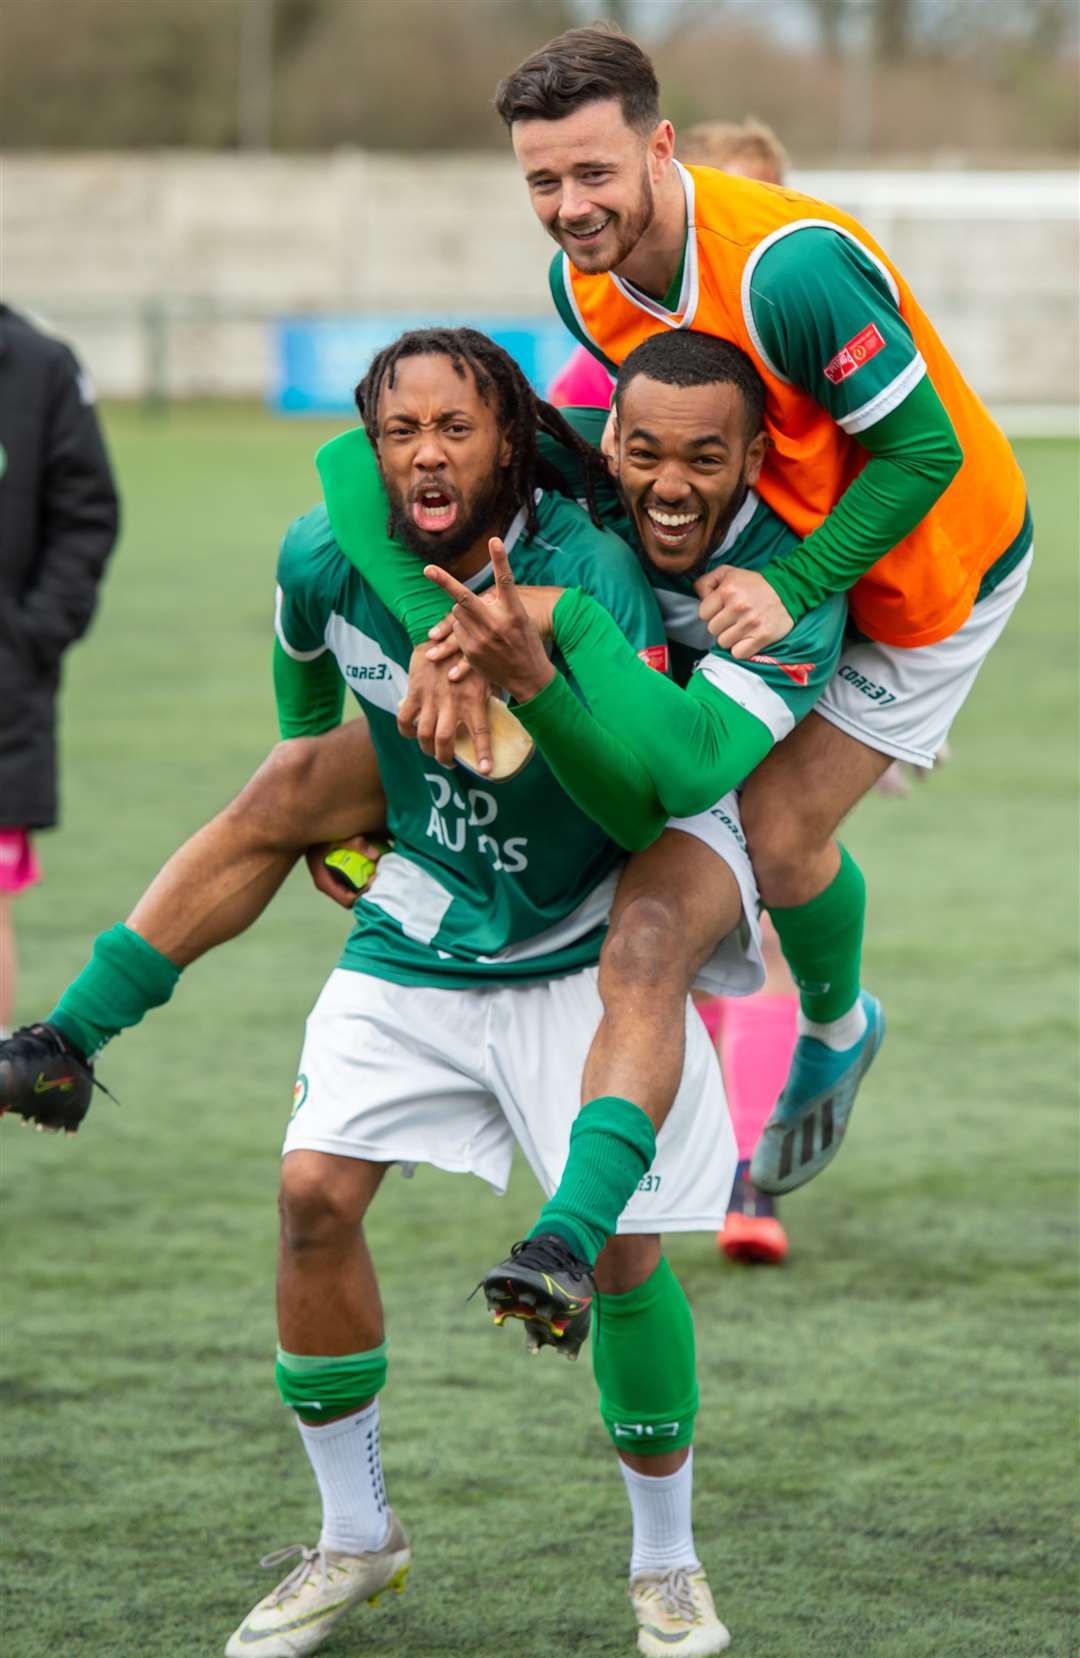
x=301 y=1571
x=550 y=1254
x=676 y=1594
x=28 y=1041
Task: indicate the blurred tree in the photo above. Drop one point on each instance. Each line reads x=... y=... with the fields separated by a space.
x=830 y=17
x=1050 y=23
x=389 y=76
x=118 y=73
x=893 y=29
x=982 y=77
x=255 y=89
x=618 y=12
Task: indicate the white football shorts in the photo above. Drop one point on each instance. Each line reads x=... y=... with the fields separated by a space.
x=902 y=702
x=736 y=968
x=408 y=1074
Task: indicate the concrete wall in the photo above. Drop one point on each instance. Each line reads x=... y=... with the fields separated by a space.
x=169 y=266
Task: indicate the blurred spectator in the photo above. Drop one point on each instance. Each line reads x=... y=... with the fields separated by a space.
x=581 y=383
x=58 y=524
x=748 y=148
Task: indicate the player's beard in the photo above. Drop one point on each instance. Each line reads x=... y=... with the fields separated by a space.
x=629 y=228
x=716 y=535
x=721 y=527
x=490 y=511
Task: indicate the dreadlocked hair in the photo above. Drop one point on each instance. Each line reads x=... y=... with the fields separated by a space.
x=521 y=414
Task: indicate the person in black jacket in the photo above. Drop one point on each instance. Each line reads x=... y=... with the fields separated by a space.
x=58 y=522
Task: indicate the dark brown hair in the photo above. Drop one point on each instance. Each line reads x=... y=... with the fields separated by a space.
x=582 y=66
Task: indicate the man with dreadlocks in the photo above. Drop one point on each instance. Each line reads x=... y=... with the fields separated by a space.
x=471 y=966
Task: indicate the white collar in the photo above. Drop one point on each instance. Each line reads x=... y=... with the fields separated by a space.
x=683 y=315
x=510 y=540
x=737 y=525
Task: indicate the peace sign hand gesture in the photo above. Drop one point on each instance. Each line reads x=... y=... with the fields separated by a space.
x=496 y=631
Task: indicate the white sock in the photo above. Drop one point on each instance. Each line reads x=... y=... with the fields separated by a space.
x=663 y=1527
x=837 y=1034
x=348 y=1467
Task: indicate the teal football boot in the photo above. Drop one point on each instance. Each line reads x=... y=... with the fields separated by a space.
x=807 y=1127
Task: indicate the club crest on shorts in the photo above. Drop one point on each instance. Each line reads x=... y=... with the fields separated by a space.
x=299 y=1094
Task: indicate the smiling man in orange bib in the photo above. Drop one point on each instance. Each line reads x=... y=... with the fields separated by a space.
x=904 y=491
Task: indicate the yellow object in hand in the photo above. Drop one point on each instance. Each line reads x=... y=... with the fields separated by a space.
x=351 y=868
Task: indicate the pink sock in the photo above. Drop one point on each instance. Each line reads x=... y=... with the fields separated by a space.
x=757 y=1039
x=712 y=1015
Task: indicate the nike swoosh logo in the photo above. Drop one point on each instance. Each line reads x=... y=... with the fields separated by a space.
x=251 y=1637
x=41 y=1086
x=572 y=1305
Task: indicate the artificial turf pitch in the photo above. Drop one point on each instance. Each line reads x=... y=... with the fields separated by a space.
x=886 y=1453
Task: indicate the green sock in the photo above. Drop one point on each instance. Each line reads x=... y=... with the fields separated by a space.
x=612 y=1144
x=124 y=978
x=644 y=1362
x=321 y=1388
x=822 y=941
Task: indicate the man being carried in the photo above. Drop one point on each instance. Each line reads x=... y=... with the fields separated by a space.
x=642 y=753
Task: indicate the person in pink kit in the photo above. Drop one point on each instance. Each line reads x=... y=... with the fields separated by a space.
x=581 y=383
x=754 y=1036
x=18 y=870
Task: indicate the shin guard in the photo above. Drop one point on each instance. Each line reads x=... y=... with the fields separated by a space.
x=644 y=1360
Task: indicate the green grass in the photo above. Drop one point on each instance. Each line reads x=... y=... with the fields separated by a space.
x=886 y=1454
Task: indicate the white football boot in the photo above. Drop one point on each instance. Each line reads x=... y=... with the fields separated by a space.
x=298 y=1616
x=675 y=1614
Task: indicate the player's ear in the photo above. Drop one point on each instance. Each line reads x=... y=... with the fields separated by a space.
x=756 y=450
x=661 y=148
x=506 y=452
x=612 y=458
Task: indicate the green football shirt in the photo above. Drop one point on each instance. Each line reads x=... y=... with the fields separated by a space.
x=487 y=881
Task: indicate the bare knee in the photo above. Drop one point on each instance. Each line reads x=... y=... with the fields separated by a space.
x=646 y=948
x=271 y=807
x=321 y=1204
x=626 y=1262
x=776 y=832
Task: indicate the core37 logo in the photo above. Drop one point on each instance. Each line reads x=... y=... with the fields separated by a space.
x=876 y=693
x=453 y=816
x=367 y=670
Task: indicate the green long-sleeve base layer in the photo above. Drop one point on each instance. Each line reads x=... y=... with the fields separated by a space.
x=644 y=750
x=913 y=457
